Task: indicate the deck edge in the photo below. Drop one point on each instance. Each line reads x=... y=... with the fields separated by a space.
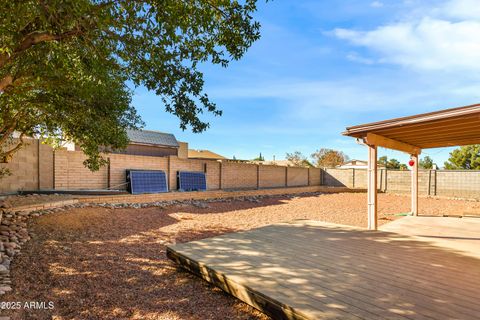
x=259 y=301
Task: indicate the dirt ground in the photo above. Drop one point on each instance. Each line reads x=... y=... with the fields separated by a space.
x=15 y=201
x=99 y=263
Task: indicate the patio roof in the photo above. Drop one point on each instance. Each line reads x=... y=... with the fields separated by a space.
x=444 y=128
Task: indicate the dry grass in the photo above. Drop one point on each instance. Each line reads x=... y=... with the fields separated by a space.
x=97 y=263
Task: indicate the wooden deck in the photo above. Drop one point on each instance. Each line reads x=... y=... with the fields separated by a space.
x=315 y=270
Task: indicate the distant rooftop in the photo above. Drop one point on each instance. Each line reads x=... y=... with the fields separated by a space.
x=352 y=163
x=204 y=154
x=152 y=138
x=283 y=163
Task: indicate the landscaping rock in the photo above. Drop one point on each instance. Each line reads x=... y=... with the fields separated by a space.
x=5 y=288
x=3 y=269
x=2 y=204
x=201 y=205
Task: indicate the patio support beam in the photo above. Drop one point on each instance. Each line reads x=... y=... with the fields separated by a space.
x=414 y=186
x=372 y=187
x=381 y=141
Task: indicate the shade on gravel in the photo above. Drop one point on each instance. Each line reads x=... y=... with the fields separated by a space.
x=99 y=263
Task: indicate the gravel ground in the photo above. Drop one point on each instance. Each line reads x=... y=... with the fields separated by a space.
x=99 y=263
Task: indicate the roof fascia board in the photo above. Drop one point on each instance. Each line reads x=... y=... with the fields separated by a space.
x=381 y=141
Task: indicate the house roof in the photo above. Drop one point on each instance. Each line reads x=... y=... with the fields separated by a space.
x=358 y=163
x=148 y=137
x=444 y=128
x=282 y=163
x=204 y=154
x=355 y=160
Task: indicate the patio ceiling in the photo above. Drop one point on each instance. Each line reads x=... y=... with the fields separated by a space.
x=445 y=128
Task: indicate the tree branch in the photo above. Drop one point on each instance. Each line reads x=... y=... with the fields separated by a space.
x=5 y=82
x=37 y=37
x=6 y=156
x=8 y=130
x=211 y=5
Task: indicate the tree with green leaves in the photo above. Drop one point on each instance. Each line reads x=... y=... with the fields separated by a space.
x=465 y=157
x=391 y=163
x=328 y=158
x=297 y=159
x=259 y=158
x=382 y=161
x=65 y=65
x=426 y=163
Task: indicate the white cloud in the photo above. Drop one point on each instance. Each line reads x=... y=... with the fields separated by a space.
x=445 y=38
x=335 y=101
x=461 y=9
x=309 y=95
x=376 y=4
x=354 y=56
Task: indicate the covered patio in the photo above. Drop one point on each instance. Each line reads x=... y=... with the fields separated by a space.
x=445 y=128
x=414 y=268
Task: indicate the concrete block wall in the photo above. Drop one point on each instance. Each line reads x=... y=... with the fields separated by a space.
x=71 y=174
x=400 y=181
x=357 y=179
x=24 y=169
x=360 y=179
x=177 y=164
x=183 y=150
x=239 y=175
x=315 y=176
x=297 y=177
x=211 y=169
x=213 y=174
x=272 y=176
x=119 y=163
x=45 y=167
x=338 y=178
x=37 y=166
x=456 y=184
x=448 y=183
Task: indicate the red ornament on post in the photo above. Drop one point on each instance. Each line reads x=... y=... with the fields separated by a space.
x=411 y=162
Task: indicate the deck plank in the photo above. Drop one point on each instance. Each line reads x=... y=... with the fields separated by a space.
x=315 y=270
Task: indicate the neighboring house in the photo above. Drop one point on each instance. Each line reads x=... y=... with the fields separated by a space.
x=204 y=154
x=153 y=143
x=356 y=164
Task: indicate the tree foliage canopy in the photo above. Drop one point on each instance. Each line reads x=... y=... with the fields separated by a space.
x=259 y=158
x=465 y=157
x=298 y=159
x=329 y=158
x=64 y=64
x=426 y=163
x=391 y=163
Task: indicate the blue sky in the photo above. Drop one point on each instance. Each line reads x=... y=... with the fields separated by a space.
x=321 y=66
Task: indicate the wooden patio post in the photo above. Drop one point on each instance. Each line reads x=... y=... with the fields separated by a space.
x=414 y=187
x=372 y=187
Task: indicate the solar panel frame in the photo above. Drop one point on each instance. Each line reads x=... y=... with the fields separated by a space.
x=192 y=181
x=147 y=181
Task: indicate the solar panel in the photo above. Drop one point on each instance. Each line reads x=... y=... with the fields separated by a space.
x=146 y=181
x=192 y=181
